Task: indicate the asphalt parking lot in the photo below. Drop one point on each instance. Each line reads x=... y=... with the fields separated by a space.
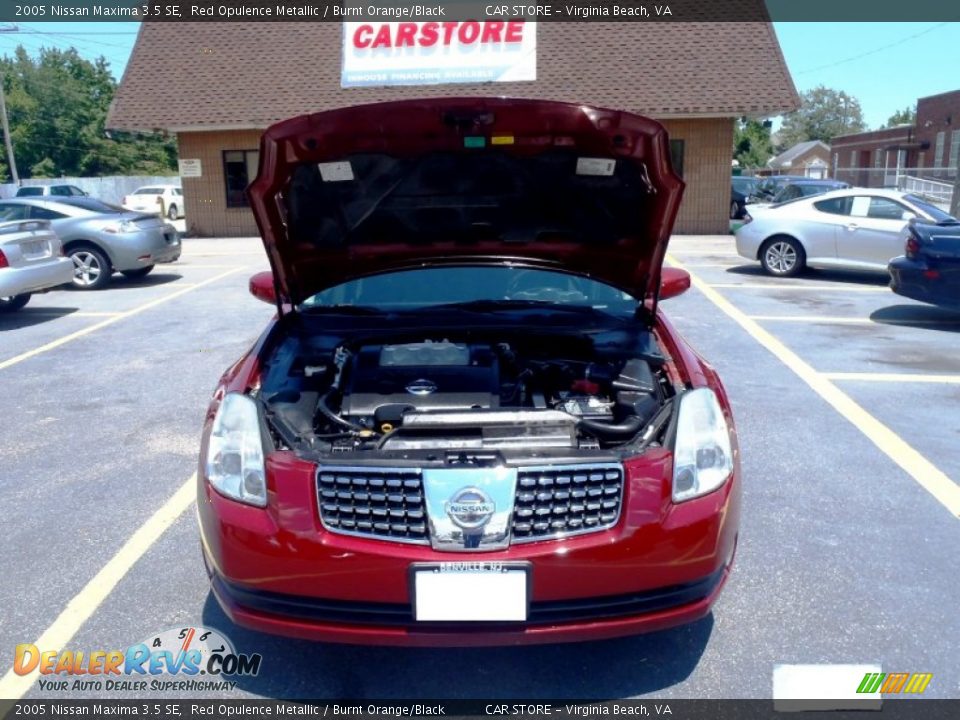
x=847 y=399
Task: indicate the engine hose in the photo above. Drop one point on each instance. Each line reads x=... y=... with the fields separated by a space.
x=630 y=426
x=332 y=416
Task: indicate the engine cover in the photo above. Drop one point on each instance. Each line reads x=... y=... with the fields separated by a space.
x=424 y=376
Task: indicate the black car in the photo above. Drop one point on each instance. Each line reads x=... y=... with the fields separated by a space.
x=804 y=188
x=742 y=190
x=929 y=269
x=768 y=187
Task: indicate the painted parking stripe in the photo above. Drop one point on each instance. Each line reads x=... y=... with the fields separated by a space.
x=945 y=378
x=801 y=288
x=924 y=472
x=185 y=288
x=85 y=603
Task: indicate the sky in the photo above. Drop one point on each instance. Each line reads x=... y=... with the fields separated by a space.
x=886 y=66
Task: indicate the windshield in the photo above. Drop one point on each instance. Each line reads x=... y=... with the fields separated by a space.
x=932 y=210
x=473 y=286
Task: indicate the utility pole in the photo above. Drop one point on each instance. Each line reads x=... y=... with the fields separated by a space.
x=12 y=27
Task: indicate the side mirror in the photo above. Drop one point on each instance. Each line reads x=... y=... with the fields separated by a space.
x=262 y=287
x=673 y=282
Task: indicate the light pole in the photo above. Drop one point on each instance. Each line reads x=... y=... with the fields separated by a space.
x=12 y=27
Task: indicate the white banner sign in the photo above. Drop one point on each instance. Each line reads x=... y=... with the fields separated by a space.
x=431 y=53
x=190 y=167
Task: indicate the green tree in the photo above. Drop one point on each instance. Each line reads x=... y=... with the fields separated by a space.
x=824 y=114
x=752 y=146
x=907 y=116
x=57 y=103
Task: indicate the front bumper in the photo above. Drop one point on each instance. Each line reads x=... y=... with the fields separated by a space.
x=35 y=278
x=277 y=570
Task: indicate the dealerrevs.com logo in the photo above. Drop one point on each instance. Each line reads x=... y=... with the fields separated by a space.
x=192 y=658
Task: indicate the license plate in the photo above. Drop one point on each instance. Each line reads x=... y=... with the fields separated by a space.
x=32 y=249
x=471 y=591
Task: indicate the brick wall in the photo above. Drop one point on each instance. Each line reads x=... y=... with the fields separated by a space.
x=706 y=170
x=708 y=148
x=939 y=114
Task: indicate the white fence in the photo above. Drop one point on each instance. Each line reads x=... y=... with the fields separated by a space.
x=109 y=189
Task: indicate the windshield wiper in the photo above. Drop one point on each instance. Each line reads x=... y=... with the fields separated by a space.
x=489 y=306
x=340 y=310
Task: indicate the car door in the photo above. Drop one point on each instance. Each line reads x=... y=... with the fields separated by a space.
x=872 y=234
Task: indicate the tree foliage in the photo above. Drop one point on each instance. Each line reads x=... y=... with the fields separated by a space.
x=752 y=146
x=824 y=114
x=57 y=103
x=907 y=116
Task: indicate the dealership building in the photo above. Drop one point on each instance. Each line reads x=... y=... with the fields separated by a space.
x=217 y=86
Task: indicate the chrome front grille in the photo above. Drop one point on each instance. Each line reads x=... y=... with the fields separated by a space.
x=562 y=500
x=374 y=502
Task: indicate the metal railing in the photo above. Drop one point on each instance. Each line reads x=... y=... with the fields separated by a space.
x=933 y=184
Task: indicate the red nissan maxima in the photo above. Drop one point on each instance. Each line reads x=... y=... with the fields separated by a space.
x=470 y=422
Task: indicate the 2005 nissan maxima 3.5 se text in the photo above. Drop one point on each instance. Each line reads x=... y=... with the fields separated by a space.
x=470 y=423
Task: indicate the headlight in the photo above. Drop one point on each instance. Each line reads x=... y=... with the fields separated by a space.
x=703 y=459
x=235 y=452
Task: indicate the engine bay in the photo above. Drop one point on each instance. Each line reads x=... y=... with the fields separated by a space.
x=476 y=392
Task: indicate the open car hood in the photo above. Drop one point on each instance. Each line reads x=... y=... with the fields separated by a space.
x=466 y=181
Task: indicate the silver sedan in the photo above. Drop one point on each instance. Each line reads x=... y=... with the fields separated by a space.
x=100 y=238
x=30 y=261
x=856 y=229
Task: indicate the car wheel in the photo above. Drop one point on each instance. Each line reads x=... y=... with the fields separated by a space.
x=783 y=256
x=13 y=303
x=138 y=273
x=734 y=210
x=172 y=212
x=91 y=269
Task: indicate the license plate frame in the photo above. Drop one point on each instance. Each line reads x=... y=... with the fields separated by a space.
x=33 y=249
x=472 y=591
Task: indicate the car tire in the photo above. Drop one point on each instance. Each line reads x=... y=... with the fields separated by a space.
x=783 y=256
x=734 y=210
x=13 y=303
x=172 y=212
x=91 y=268
x=138 y=273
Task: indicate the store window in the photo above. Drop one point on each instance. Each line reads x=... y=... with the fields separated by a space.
x=239 y=170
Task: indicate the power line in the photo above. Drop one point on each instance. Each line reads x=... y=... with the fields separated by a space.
x=901 y=41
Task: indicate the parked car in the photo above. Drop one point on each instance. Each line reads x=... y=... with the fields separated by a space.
x=858 y=228
x=50 y=190
x=742 y=191
x=769 y=186
x=165 y=200
x=929 y=269
x=31 y=261
x=470 y=359
x=805 y=188
x=100 y=238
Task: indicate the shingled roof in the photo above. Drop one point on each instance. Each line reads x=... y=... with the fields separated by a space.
x=233 y=75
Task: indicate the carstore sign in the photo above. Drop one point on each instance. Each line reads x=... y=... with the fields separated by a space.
x=433 y=53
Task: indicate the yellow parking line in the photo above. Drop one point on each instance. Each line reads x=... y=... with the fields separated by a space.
x=894 y=377
x=185 y=288
x=924 y=472
x=812 y=288
x=85 y=603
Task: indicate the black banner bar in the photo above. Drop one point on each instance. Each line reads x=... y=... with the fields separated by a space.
x=871 y=709
x=461 y=10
